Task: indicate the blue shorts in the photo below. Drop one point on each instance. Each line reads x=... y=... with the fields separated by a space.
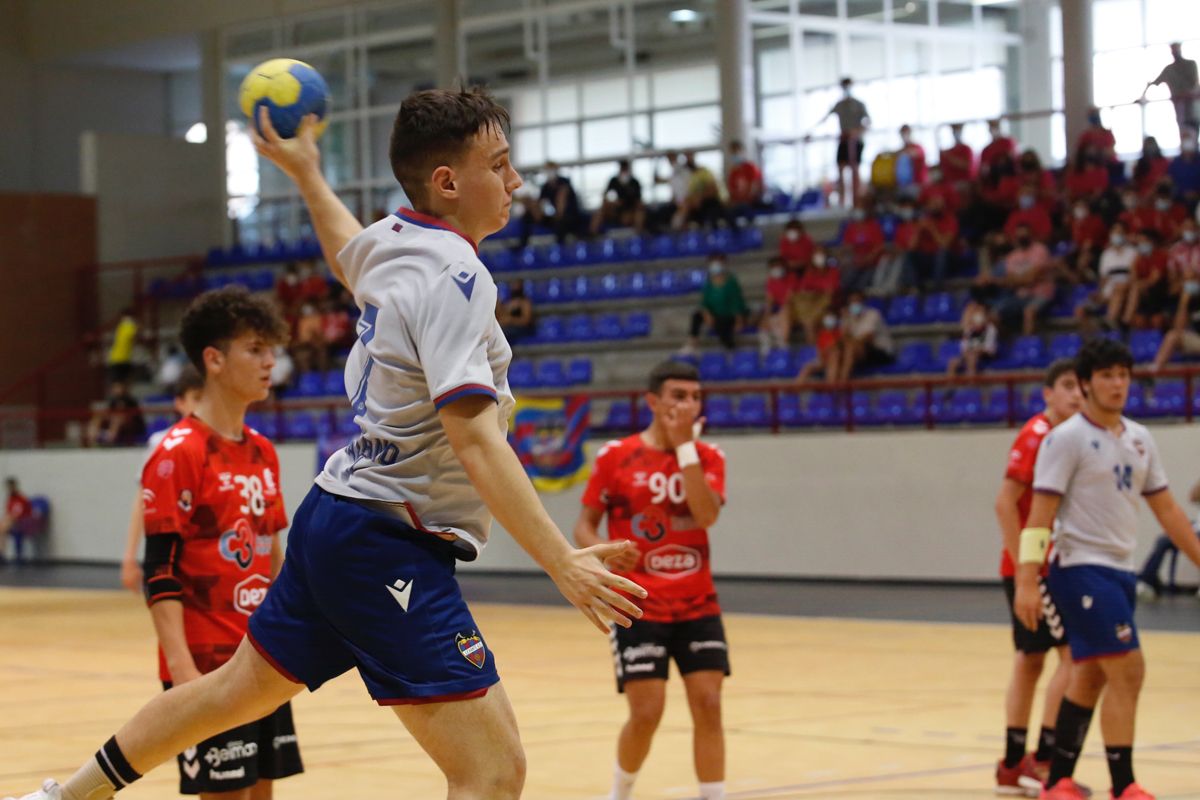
x=1097 y=606
x=361 y=589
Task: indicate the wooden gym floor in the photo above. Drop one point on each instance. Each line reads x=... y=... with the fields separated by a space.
x=817 y=707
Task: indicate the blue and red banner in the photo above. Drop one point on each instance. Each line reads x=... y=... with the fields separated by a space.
x=548 y=435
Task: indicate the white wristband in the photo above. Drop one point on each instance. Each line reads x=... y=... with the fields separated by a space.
x=686 y=454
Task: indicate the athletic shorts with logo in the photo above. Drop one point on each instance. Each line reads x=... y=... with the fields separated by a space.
x=1050 y=632
x=1097 y=604
x=360 y=589
x=263 y=750
x=645 y=649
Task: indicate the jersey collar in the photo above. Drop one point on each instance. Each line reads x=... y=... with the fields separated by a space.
x=433 y=223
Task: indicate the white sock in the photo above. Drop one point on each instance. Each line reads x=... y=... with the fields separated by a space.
x=712 y=791
x=622 y=783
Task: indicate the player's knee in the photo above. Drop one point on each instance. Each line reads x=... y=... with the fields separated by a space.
x=502 y=778
x=646 y=714
x=1031 y=664
x=706 y=706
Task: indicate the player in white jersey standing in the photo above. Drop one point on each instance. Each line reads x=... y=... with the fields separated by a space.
x=1089 y=475
x=368 y=581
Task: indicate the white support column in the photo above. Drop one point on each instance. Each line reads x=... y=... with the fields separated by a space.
x=446 y=43
x=735 y=61
x=1036 y=86
x=1077 y=66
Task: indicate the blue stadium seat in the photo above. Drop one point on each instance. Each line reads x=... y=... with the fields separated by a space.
x=666 y=283
x=714 y=367
x=779 y=364
x=745 y=366
x=914 y=357
x=579 y=328
x=902 y=310
x=555 y=255
x=894 y=408
x=267 y=425
x=528 y=258
x=862 y=407
x=521 y=375
x=619 y=416
x=940 y=307
x=718 y=409
x=637 y=285
x=645 y=416
x=946 y=351
x=159 y=422
x=662 y=246
x=579 y=371
x=299 y=425
x=604 y=251
x=579 y=288
x=549 y=329
x=1167 y=399
x=550 y=373
x=612 y=287
x=1144 y=345
x=1034 y=403
x=261 y=280
x=789 y=410
x=1029 y=351
x=750 y=238
x=1065 y=345
x=1136 y=405
x=608 y=327
x=752 y=412
x=333 y=383
x=637 y=324
x=580 y=253
x=347 y=427
x=326 y=423
x=634 y=249
x=722 y=240
x=310 y=384
x=694 y=279
x=691 y=244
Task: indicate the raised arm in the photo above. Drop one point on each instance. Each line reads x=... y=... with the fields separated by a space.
x=472 y=426
x=300 y=159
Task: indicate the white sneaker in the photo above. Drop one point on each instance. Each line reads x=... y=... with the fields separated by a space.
x=50 y=791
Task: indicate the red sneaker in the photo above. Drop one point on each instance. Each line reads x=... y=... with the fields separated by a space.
x=1065 y=789
x=1022 y=780
x=1133 y=792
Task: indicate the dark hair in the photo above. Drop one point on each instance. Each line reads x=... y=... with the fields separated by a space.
x=847 y=81
x=672 y=370
x=623 y=164
x=1101 y=354
x=190 y=380
x=434 y=128
x=1057 y=369
x=216 y=317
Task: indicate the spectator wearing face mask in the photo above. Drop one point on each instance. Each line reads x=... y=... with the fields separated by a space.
x=861 y=247
x=941 y=187
x=999 y=148
x=1097 y=138
x=1135 y=214
x=896 y=270
x=776 y=327
x=957 y=162
x=722 y=307
x=937 y=233
x=678 y=179
x=1116 y=273
x=515 y=313
x=1089 y=234
x=1027 y=282
x=1087 y=178
x=622 y=203
x=1030 y=213
x=744 y=182
x=1164 y=216
x=1150 y=168
x=1184 y=170
x=813 y=294
x=557 y=207
x=1030 y=174
x=1149 y=298
x=828 y=357
x=909 y=147
x=866 y=341
x=978 y=342
x=1183 y=270
x=796 y=246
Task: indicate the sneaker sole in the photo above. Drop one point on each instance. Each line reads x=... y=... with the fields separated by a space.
x=1030 y=787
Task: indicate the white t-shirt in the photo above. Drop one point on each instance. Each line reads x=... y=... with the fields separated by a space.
x=1101 y=478
x=427 y=336
x=1117 y=263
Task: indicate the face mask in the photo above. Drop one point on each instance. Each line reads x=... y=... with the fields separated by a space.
x=979 y=318
x=623 y=178
x=819 y=260
x=1145 y=248
x=856 y=308
x=830 y=321
x=1188 y=147
x=715 y=268
x=858 y=215
x=1189 y=236
x=791 y=234
x=935 y=177
x=1029 y=166
x=1191 y=287
x=906 y=138
x=1026 y=201
x=777 y=272
x=1130 y=203
x=1117 y=240
x=995 y=132
x=1081 y=212
x=937 y=211
x=904 y=213
x=1162 y=204
x=957 y=136
x=738 y=159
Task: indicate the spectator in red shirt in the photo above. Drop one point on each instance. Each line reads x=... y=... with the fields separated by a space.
x=828 y=358
x=937 y=233
x=1149 y=301
x=1027 y=283
x=813 y=293
x=744 y=181
x=1031 y=213
x=1098 y=138
x=1135 y=214
x=895 y=272
x=992 y=203
x=862 y=244
x=999 y=148
x=796 y=246
x=1087 y=178
x=18 y=520
x=336 y=325
x=288 y=291
x=1164 y=216
x=941 y=186
x=1089 y=235
x=1031 y=173
x=958 y=161
x=776 y=327
x=916 y=152
x=1150 y=168
x=313 y=286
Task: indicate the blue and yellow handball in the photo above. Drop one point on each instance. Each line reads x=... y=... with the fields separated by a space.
x=290 y=90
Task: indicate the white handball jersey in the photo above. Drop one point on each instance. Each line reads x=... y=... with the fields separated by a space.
x=427 y=336
x=1101 y=477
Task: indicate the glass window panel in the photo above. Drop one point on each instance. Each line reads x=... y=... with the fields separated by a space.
x=319 y=29
x=642 y=140
x=769 y=5
x=1166 y=19
x=496 y=57
x=956 y=57
x=563 y=142
x=562 y=102
x=479 y=8
x=689 y=127
x=1120 y=76
x=903 y=99
x=253 y=41
x=993 y=53
x=396 y=16
x=1057 y=88
x=526 y=106
x=956 y=14
x=1056 y=34
x=607 y=137
x=1058 y=138
x=528 y=147
x=866 y=58
x=779 y=164
x=606 y=96
x=580 y=44
x=816 y=104
x=379 y=129
x=912 y=56
x=397 y=69
x=592 y=181
x=692 y=84
x=641 y=92
x=1001 y=17
x=910 y=12
x=779 y=115
x=773 y=58
x=1160 y=121
x=870 y=9
x=874 y=95
x=339 y=146
x=819 y=8
x=660 y=40
x=1116 y=24
x=1126 y=124
x=332 y=67
x=819 y=60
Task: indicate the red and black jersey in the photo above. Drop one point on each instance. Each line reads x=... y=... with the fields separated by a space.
x=222 y=498
x=641 y=490
x=1021 y=461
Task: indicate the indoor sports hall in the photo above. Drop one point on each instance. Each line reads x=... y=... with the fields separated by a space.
x=869 y=229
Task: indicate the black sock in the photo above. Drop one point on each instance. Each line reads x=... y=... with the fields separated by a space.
x=114 y=765
x=1120 y=766
x=1014 y=746
x=1045 y=748
x=1069 y=735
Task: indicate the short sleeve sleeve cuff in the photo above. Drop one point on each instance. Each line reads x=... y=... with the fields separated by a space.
x=465 y=390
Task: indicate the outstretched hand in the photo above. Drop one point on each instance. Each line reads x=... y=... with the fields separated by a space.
x=584 y=581
x=298 y=157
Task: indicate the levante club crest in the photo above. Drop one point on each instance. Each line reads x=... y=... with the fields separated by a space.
x=471 y=647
